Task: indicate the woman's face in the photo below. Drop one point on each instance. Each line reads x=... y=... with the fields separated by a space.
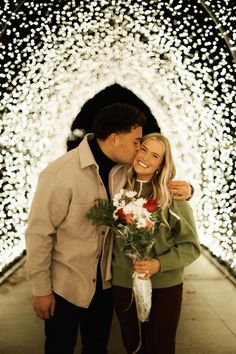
x=148 y=159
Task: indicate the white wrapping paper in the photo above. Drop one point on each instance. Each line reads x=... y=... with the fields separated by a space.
x=143 y=296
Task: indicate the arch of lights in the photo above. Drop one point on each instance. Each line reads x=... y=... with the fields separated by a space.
x=186 y=79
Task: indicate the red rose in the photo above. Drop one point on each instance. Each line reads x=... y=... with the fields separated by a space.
x=120 y=213
x=150 y=205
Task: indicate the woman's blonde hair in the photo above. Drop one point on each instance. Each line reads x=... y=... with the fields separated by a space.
x=166 y=172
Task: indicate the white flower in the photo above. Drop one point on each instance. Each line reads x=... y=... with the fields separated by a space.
x=117 y=197
x=130 y=194
x=139 y=202
x=142 y=212
x=129 y=208
x=141 y=223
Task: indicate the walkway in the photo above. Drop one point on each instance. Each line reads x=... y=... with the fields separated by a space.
x=207 y=324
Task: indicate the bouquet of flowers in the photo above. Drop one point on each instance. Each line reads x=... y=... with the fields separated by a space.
x=134 y=221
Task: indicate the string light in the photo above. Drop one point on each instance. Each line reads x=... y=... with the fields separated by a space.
x=56 y=58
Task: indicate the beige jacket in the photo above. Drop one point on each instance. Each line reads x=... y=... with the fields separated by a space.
x=63 y=247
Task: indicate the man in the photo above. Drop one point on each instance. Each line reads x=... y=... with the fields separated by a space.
x=68 y=259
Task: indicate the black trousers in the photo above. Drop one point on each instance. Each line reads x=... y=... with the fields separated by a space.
x=158 y=334
x=95 y=322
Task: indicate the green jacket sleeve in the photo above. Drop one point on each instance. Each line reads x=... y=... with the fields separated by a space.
x=186 y=247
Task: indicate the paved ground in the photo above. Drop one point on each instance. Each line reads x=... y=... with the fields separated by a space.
x=207 y=325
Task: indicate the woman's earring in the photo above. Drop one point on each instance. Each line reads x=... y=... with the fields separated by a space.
x=157 y=172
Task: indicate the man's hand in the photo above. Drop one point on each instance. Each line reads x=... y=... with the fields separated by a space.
x=44 y=306
x=182 y=190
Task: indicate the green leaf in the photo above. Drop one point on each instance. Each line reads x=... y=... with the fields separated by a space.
x=102 y=213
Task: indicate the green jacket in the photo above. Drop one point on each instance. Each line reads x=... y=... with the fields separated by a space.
x=175 y=248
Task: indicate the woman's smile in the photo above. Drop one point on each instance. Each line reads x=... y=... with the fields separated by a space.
x=143 y=164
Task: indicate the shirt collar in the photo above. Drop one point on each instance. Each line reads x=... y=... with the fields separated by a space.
x=86 y=156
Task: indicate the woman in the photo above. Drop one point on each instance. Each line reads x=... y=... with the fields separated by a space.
x=176 y=246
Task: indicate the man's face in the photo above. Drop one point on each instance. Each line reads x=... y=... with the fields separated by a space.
x=127 y=145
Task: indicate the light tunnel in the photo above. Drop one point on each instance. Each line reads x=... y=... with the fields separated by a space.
x=175 y=57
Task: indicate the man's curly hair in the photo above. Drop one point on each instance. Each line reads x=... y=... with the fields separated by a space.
x=117 y=118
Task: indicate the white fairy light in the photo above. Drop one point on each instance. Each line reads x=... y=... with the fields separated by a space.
x=136 y=45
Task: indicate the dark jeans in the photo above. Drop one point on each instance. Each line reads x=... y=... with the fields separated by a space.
x=95 y=322
x=158 y=334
